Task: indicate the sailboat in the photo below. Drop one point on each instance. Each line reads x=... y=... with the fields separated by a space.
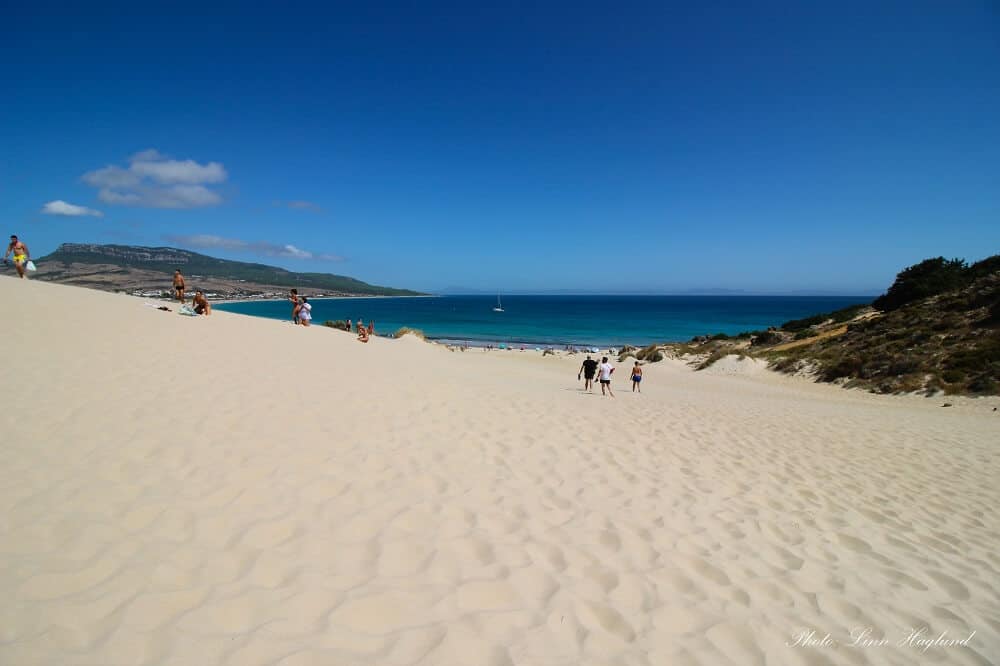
x=499 y=307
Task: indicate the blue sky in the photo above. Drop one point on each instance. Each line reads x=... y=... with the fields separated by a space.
x=650 y=147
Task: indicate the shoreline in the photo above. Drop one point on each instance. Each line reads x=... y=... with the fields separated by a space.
x=227 y=301
x=579 y=326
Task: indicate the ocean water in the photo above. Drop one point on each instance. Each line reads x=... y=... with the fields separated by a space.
x=601 y=321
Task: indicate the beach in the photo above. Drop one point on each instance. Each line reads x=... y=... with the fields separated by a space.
x=234 y=490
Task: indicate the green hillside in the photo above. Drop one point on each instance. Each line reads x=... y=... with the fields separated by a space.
x=167 y=259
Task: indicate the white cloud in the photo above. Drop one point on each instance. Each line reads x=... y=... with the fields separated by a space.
x=154 y=181
x=148 y=155
x=60 y=207
x=292 y=251
x=208 y=242
x=174 y=196
x=112 y=197
x=175 y=171
x=112 y=176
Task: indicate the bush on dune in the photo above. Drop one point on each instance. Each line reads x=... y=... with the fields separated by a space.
x=838 y=316
x=416 y=332
x=765 y=338
x=651 y=354
x=932 y=277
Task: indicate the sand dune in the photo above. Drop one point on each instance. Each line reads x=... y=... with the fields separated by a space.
x=229 y=490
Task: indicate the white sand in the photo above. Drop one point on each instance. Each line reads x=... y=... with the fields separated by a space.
x=229 y=490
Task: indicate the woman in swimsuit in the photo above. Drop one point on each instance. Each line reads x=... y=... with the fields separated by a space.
x=636 y=377
x=305 y=311
x=293 y=298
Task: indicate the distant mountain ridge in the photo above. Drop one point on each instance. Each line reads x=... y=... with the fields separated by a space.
x=167 y=259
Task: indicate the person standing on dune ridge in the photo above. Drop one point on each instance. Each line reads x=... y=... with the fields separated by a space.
x=179 y=286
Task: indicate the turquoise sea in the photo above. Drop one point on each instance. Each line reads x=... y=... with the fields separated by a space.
x=601 y=321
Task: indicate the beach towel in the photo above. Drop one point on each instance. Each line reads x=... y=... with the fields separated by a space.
x=187 y=310
x=30 y=265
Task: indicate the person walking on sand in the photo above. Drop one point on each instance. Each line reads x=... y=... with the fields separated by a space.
x=179 y=286
x=588 y=369
x=21 y=255
x=293 y=298
x=305 y=311
x=371 y=327
x=201 y=304
x=636 y=377
x=606 y=369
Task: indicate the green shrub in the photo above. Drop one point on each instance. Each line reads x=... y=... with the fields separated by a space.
x=785 y=364
x=765 y=338
x=339 y=324
x=801 y=324
x=983 y=384
x=902 y=366
x=976 y=359
x=846 y=366
x=716 y=355
x=928 y=278
x=850 y=312
x=993 y=314
x=985 y=267
x=625 y=352
x=805 y=333
x=953 y=376
x=945 y=324
x=651 y=354
x=838 y=316
x=409 y=331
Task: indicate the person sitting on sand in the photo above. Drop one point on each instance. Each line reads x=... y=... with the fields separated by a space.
x=179 y=287
x=636 y=377
x=606 y=369
x=201 y=304
x=305 y=311
x=362 y=334
x=293 y=297
x=588 y=369
x=361 y=325
x=21 y=255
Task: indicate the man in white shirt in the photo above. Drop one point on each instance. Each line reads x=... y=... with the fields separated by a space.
x=605 y=369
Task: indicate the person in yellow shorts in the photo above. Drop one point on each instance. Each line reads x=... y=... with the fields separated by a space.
x=21 y=255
